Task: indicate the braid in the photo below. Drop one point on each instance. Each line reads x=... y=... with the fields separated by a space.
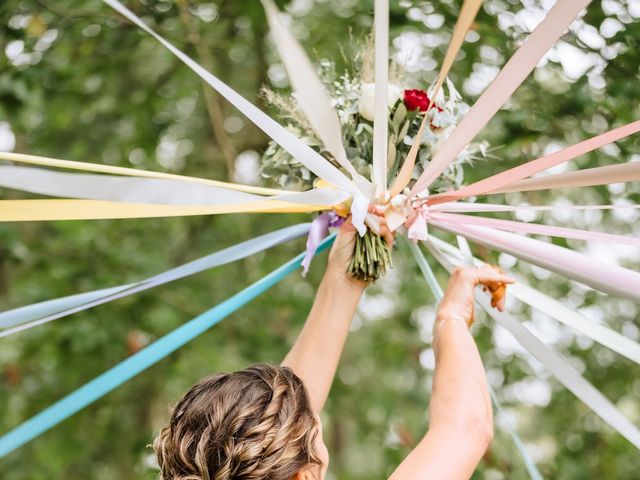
x=255 y=424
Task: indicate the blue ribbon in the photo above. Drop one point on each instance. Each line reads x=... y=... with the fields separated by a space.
x=135 y=364
x=38 y=313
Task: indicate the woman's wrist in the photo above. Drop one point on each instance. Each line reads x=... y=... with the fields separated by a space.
x=339 y=276
x=442 y=318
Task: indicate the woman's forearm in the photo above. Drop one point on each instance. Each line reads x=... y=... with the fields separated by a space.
x=315 y=355
x=460 y=417
x=460 y=398
x=460 y=413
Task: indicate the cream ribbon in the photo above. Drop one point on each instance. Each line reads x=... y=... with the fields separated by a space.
x=39 y=210
x=311 y=94
x=147 y=190
x=508 y=80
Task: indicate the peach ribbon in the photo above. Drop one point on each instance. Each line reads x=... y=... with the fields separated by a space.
x=467 y=16
x=508 y=177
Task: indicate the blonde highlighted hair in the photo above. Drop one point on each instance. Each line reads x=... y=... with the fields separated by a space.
x=254 y=424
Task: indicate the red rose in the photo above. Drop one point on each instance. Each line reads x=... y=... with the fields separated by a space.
x=418 y=100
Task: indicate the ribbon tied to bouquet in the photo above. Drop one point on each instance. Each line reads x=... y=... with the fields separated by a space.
x=396 y=195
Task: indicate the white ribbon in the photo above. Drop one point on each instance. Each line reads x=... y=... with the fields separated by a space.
x=555 y=364
x=560 y=369
x=298 y=149
x=381 y=103
x=552 y=307
x=146 y=190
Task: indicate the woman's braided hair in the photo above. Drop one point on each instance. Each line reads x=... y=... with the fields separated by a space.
x=254 y=424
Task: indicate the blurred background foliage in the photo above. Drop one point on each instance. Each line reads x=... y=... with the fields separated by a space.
x=78 y=82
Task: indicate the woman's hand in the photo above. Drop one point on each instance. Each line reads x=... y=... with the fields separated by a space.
x=344 y=245
x=342 y=248
x=458 y=300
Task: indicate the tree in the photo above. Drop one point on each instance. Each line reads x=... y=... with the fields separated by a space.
x=81 y=83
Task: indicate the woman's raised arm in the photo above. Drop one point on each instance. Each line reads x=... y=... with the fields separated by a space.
x=460 y=413
x=315 y=355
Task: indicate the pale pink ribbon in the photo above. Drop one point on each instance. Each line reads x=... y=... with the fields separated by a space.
x=502 y=179
x=418 y=228
x=508 y=80
x=535 y=228
x=464 y=207
x=607 y=278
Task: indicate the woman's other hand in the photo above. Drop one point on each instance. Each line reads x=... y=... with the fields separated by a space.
x=458 y=299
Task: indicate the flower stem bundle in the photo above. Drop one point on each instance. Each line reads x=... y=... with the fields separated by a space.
x=371 y=257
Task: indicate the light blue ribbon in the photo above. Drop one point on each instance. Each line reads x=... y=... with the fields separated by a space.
x=530 y=465
x=429 y=276
x=135 y=364
x=43 y=312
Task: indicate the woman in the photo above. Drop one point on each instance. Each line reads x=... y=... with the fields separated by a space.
x=263 y=422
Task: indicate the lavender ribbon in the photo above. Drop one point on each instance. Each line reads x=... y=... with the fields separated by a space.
x=319 y=229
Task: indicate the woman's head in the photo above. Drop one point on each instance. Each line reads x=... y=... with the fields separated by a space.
x=253 y=424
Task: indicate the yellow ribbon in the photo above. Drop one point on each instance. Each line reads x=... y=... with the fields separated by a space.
x=72 y=209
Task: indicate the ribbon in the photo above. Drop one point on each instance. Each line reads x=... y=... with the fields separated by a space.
x=503 y=419
x=30 y=316
x=569 y=377
x=506 y=82
x=140 y=361
x=418 y=229
x=607 y=278
x=147 y=190
x=588 y=177
x=319 y=230
x=496 y=182
x=463 y=24
x=493 y=207
x=381 y=107
x=310 y=93
x=558 y=367
x=296 y=147
x=535 y=228
x=552 y=307
x=427 y=273
x=39 y=210
x=132 y=172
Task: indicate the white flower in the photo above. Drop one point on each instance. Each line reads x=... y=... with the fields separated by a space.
x=443 y=136
x=367 y=99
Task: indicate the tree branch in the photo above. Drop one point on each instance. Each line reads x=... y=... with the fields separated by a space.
x=212 y=99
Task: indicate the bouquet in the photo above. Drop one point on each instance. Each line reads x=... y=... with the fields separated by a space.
x=353 y=99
